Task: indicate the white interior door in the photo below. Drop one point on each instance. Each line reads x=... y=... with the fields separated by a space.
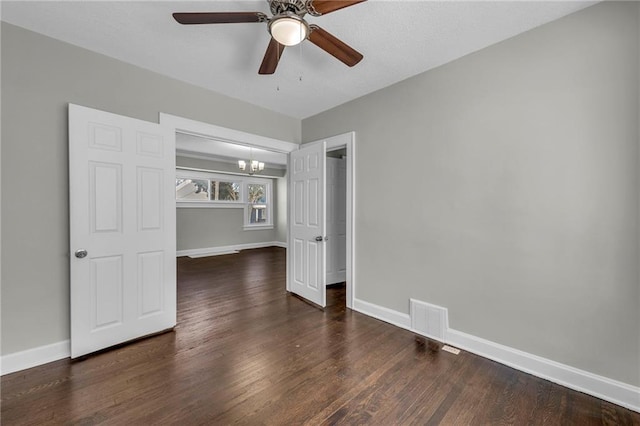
x=336 y=243
x=307 y=222
x=122 y=229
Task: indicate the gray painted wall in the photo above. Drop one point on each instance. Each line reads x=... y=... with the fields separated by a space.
x=504 y=186
x=39 y=77
x=282 y=209
x=208 y=164
x=204 y=228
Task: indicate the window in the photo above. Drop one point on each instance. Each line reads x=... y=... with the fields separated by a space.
x=225 y=190
x=192 y=189
x=200 y=187
x=257 y=205
x=217 y=190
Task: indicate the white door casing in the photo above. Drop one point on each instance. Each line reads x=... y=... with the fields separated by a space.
x=346 y=140
x=336 y=219
x=306 y=250
x=122 y=212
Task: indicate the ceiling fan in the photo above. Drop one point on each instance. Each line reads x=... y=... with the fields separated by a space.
x=287 y=28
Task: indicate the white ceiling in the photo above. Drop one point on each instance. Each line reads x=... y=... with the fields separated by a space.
x=398 y=39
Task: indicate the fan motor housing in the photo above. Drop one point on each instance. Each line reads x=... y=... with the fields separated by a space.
x=279 y=7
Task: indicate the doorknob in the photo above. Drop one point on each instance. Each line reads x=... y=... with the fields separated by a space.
x=319 y=238
x=81 y=253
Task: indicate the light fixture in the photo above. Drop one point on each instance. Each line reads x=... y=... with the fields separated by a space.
x=255 y=166
x=288 y=29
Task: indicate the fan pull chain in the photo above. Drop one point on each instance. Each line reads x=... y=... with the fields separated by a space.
x=278 y=84
x=301 y=62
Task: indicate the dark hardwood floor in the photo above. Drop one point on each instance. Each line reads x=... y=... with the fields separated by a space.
x=246 y=352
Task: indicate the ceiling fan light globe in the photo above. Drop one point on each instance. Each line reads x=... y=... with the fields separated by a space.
x=288 y=30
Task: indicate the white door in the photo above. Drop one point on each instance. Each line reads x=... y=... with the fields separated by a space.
x=307 y=222
x=336 y=243
x=122 y=229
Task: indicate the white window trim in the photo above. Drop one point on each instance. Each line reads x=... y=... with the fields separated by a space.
x=259 y=226
x=203 y=204
x=242 y=203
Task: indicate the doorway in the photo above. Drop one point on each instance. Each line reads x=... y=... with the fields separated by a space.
x=336 y=218
x=346 y=141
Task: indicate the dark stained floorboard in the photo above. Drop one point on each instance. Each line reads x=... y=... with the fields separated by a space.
x=246 y=352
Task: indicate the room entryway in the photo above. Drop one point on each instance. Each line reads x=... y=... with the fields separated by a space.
x=306 y=204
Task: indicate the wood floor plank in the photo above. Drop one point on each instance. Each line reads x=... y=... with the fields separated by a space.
x=246 y=352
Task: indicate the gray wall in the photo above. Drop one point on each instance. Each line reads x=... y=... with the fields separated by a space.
x=205 y=228
x=504 y=186
x=0 y=188
x=282 y=210
x=39 y=77
x=220 y=166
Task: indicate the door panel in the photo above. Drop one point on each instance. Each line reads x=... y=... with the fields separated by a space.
x=307 y=227
x=106 y=195
x=106 y=295
x=150 y=196
x=150 y=279
x=122 y=212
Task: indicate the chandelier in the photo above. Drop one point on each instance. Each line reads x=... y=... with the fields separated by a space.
x=255 y=166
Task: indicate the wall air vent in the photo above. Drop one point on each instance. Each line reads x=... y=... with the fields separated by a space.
x=428 y=320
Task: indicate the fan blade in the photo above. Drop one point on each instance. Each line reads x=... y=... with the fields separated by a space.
x=219 y=17
x=322 y=7
x=271 y=57
x=333 y=46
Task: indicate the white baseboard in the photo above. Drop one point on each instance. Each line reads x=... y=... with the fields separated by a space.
x=217 y=251
x=619 y=393
x=33 y=357
x=383 y=314
x=17 y=361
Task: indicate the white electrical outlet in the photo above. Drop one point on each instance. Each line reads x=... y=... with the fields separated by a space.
x=451 y=349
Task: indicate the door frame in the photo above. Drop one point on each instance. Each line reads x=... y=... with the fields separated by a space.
x=179 y=124
x=211 y=131
x=348 y=141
